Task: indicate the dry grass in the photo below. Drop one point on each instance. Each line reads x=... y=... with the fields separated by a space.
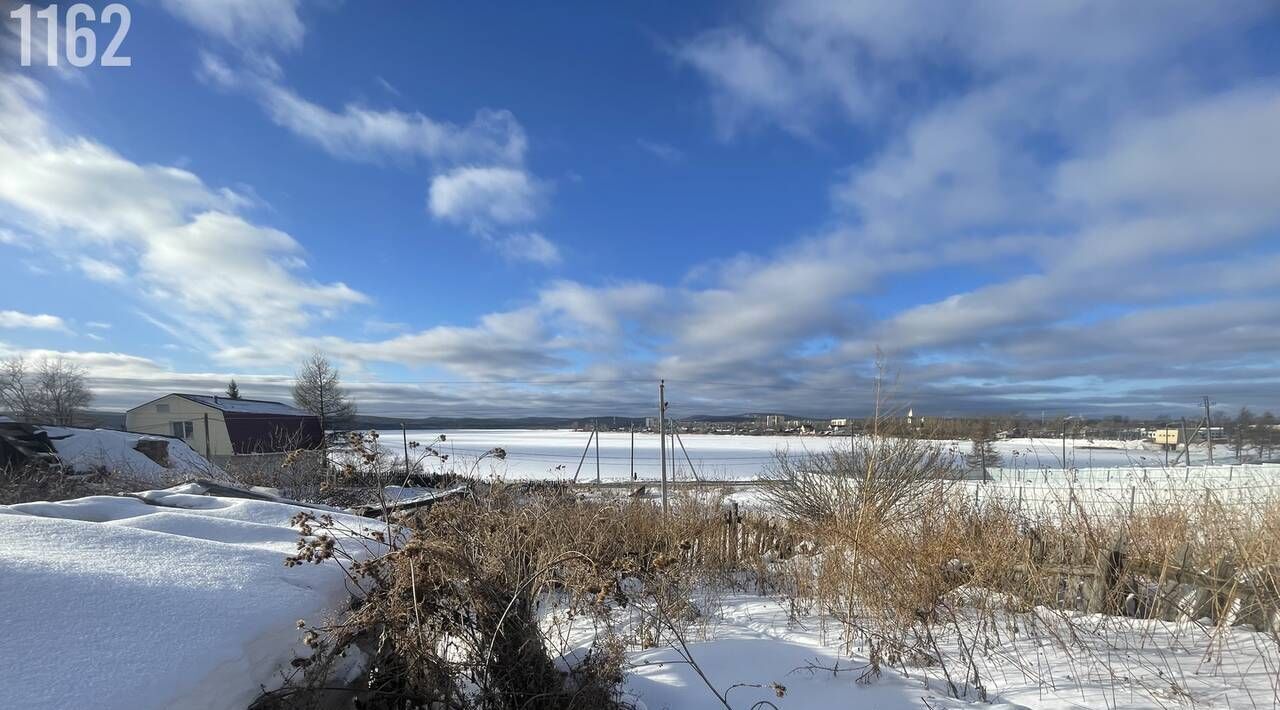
x=40 y=483
x=952 y=582
x=454 y=612
x=876 y=544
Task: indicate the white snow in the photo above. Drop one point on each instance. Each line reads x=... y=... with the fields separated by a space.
x=112 y=602
x=753 y=642
x=115 y=452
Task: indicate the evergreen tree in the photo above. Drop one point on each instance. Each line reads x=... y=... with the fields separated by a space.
x=233 y=390
x=983 y=454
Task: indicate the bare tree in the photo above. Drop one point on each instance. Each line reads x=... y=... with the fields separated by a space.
x=54 y=392
x=18 y=390
x=318 y=390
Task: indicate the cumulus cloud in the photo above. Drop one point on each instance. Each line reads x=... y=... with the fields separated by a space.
x=485 y=196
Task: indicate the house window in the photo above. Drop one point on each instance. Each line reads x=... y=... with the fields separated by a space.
x=183 y=430
x=162 y=408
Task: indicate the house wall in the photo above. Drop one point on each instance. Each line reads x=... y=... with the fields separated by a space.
x=147 y=419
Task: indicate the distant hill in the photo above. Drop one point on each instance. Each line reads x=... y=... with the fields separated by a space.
x=101 y=420
x=364 y=421
x=368 y=421
x=115 y=420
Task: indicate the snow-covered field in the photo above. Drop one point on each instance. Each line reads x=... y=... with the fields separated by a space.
x=182 y=601
x=555 y=454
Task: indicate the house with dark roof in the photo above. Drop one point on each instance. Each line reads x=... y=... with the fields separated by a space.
x=221 y=427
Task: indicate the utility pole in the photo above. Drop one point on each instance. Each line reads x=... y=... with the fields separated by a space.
x=633 y=451
x=595 y=426
x=662 y=438
x=1064 y=443
x=1208 y=428
x=1186 y=443
x=404 y=435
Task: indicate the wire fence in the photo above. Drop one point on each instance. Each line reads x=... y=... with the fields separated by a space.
x=1121 y=491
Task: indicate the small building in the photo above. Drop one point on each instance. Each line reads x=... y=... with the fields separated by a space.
x=1166 y=437
x=221 y=427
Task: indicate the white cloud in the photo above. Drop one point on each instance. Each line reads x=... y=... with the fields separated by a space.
x=529 y=246
x=748 y=79
x=17 y=319
x=220 y=265
x=662 y=151
x=1218 y=154
x=361 y=133
x=485 y=196
x=602 y=310
x=192 y=249
x=480 y=180
x=100 y=270
x=797 y=60
x=248 y=24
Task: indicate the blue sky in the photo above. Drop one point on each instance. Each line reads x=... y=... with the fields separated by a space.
x=513 y=208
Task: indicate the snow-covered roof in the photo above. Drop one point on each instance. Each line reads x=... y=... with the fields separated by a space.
x=246 y=406
x=116 y=452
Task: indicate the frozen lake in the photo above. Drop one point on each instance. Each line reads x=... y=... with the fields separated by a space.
x=555 y=454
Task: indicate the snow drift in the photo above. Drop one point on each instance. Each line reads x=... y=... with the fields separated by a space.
x=181 y=600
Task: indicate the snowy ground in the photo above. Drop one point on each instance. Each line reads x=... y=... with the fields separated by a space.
x=755 y=644
x=113 y=602
x=555 y=454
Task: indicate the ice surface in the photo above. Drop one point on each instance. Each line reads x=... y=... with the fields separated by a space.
x=555 y=454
